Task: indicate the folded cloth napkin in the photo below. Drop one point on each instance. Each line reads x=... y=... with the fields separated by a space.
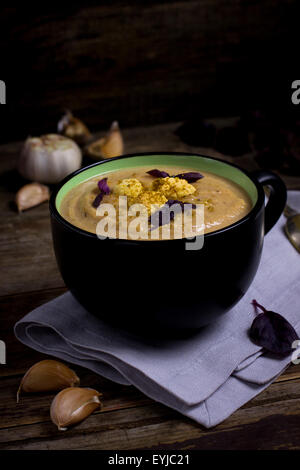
x=207 y=376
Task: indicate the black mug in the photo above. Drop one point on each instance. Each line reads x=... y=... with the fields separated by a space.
x=152 y=285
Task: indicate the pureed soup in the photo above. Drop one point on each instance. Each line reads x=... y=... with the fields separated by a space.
x=224 y=201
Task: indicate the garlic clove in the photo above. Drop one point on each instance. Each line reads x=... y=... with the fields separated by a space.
x=31 y=195
x=73 y=405
x=94 y=149
x=49 y=158
x=108 y=147
x=46 y=376
x=74 y=128
x=112 y=145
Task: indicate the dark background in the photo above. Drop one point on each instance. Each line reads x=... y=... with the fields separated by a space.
x=145 y=62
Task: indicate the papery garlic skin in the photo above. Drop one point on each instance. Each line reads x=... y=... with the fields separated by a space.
x=108 y=147
x=31 y=195
x=73 y=405
x=112 y=145
x=48 y=375
x=73 y=128
x=49 y=158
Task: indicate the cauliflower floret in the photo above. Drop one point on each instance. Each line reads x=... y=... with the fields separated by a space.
x=148 y=198
x=130 y=187
x=173 y=188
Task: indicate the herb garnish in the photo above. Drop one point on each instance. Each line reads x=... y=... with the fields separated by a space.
x=164 y=216
x=104 y=189
x=272 y=331
x=190 y=177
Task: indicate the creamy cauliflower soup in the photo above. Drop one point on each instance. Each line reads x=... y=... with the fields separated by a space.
x=224 y=201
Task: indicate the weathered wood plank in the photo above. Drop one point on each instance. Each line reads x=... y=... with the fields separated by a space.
x=291 y=373
x=129 y=420
x=155 y=426
x=34 y=409
x=139 y=63
x=30 y=419
x=27 y=259
x=13 y=308
x=147 y=63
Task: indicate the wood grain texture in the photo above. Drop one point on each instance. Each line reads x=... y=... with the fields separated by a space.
x=143 y=62
x=128 y=420
x=148 y=425
x=25 y=239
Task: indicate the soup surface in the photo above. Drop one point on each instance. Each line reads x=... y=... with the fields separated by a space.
x=224 y=202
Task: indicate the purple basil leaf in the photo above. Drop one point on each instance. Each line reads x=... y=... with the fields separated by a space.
x=163 y=216
x=97 y=200
x=190 y=177
x=272 y=331
x=103 y=186
x=170 y=202
x=158 y=174
x=104 y=189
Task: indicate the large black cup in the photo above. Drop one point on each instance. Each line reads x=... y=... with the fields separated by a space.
x=161 y=284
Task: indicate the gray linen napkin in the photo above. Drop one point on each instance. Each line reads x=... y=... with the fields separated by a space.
x=206 y=377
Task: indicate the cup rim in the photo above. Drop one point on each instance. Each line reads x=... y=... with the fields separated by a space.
x=252 y=213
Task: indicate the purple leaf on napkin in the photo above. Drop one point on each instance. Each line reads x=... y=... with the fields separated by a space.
x=272 y=331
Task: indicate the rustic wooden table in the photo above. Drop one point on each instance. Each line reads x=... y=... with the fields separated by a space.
x=128 y=420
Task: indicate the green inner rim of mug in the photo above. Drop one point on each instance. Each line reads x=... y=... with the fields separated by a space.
x=192 y=162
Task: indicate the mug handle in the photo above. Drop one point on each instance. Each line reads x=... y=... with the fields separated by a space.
x=277 y=197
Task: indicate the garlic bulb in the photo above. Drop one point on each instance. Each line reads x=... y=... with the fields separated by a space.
x=74 y=128
x=46 y=376
x=31 y=195
x=49 y=158
x=108 y=147
x=72 y=405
